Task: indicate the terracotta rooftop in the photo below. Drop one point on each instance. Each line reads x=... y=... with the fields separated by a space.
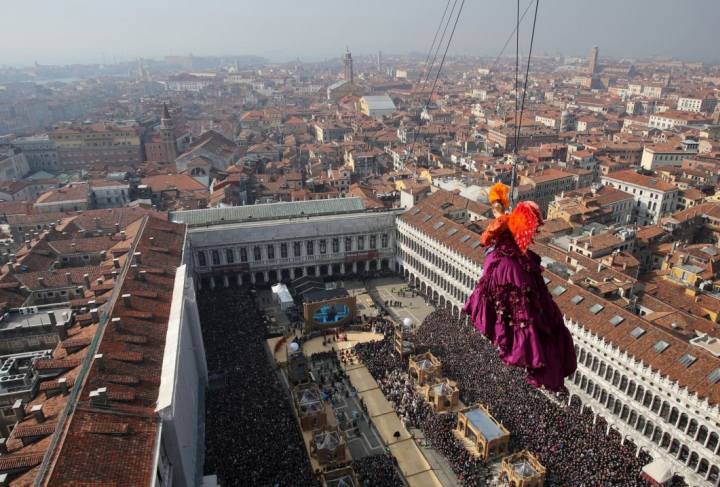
x=631 y=177
x=79 y=192
x=120 y=437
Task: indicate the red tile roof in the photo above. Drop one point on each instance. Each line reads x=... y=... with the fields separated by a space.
x=631 y=177
x=122 y=437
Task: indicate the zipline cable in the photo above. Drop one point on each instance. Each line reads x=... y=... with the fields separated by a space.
x=522 y=106
x=437 y=31
x=442 y=63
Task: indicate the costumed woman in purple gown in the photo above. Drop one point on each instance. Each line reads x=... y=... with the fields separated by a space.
x=511 y=304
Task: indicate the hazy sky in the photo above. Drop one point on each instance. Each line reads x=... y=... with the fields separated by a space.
x=61 y=31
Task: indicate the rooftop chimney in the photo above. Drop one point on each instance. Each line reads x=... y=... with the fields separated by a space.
x=126 y=300
x=68 y=278
x=11 y=266
x=41 y=281
x=98 y=397
x=61 y=331
x=141 y=275
x=62 y=382
x=19 y=410
x=86 y=279
x=138 y=257
x=117 y=227
x=37 y=411
x=52 y=318
x=117 y=324
x=95 y=315
x=122 y=235
x=116 y=263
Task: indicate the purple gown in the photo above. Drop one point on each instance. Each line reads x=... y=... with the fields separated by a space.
x=512 y=306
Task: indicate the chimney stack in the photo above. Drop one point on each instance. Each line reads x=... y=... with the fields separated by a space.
x=62 y=382
x=37 y=411
x=11 y=266
x=138 y=257
x=98 y=397
x=116 y=263
x=68 y=278
x=99 y=360
x=86 y=279
x=117 y=324
x=126 y=300
x=117 y=228
x=61 y=331
x=41 y=281
x=122 y=235
x=141 y=275
x=19 y=410
x=95 y=315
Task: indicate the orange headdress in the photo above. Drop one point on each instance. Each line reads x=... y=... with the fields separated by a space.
x=523 y=223
x=499 y=192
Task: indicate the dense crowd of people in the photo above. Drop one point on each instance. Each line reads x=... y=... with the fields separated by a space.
x=377 y=471
x=400 y=390
x=574 y=451
x=252 y=437
x=398 y=387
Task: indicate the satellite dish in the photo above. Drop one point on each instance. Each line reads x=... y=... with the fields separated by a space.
x=294 y=347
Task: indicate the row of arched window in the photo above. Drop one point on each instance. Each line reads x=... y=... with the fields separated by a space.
x=458 y=274
x=284 y=250
x=661 y=426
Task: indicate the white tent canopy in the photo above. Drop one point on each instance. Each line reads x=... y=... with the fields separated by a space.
x=282 y=296
x=659 y=471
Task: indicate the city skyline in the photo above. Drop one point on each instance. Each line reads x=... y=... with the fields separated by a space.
x=282 y=31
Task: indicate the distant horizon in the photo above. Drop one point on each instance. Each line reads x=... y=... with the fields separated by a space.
x=80 y=32
x=356 y=55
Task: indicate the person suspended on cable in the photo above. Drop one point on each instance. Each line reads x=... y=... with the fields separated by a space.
x=511 y=304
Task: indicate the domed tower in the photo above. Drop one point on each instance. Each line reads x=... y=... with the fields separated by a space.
x=168 y=136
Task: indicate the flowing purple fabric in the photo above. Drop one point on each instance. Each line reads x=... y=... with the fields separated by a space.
x=512 y=306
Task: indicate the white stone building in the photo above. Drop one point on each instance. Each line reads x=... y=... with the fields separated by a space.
x=275 y=242
x=653 y=198
x=704 y=104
